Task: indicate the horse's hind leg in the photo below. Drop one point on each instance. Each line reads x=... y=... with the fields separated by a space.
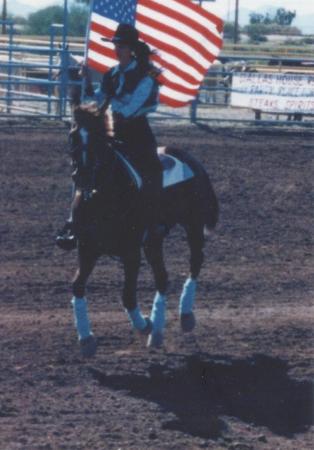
x=87 y=341
x=154 y=254
x=131 y=263
x=195 y=235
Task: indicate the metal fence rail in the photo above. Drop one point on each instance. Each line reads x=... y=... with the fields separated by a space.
x=213 y=101
x=34 y=81
x=34 y=78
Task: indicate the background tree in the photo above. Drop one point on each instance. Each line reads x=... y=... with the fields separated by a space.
x=267 y=19
x=263 y=24
x=78 y=19
x=18 y=20
x=257 y=32
x=256 y=18
x=39 y=22
x=229 y=30
x=284 y=17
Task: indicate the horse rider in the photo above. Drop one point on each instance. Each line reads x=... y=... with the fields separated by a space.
x=132 y=90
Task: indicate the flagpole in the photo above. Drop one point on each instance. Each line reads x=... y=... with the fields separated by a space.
x=4 y=16
x=236 y=22
x=65 y=23
x=64 y=59
x=86 y=50
x=88 y=31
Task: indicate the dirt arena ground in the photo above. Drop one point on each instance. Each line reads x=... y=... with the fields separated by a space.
x=242 y=380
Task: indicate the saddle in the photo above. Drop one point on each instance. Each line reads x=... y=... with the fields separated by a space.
x=174 y=170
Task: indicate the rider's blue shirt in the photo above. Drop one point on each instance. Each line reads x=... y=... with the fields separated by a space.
x=133 y=95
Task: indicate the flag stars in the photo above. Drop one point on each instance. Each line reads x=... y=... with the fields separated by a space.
x=118 y=10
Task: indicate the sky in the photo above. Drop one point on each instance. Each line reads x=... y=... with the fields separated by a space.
x=225 y=8
x=304 y=10
x=301 y=6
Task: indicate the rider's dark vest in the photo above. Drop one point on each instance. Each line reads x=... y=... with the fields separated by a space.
x=110 y=84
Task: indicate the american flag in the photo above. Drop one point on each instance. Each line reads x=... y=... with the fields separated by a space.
x=186 y=38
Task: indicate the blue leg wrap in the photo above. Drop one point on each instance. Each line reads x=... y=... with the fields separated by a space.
x=187 y=296
x=158 y=314
x=137 y=319
x=81 y=317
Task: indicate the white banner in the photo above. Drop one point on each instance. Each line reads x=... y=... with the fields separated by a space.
x=273 y=92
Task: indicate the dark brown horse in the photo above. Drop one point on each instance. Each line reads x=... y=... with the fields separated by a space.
x=110 y=218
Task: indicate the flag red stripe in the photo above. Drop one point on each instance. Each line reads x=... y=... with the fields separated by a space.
x=176 y=34
x=184 y=19
x=105 y=51
x=101 y=29
x=172 y=102
x=175 y=70
x=177 y=87
x=174 y=51
x=96 y=65
x=199 y=10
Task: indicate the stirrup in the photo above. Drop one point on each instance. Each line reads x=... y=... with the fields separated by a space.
x=66 y=239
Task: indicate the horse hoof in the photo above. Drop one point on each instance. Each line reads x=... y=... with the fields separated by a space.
x=155 y=340
x=88 y=346
x=148 y=328
x=187 y=322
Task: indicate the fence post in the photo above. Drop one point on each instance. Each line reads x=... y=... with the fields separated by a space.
x=50 y=88
x=10 y=60
x=65 y=80
x=65 y=50
x=193 y=109
x=62 y=82
x=64 y=69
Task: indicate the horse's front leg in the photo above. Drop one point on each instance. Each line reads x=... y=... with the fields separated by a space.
x=86 y=338
x=154 y=255
x=131 y=264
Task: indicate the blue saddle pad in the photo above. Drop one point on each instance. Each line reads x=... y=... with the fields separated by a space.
x=174 y=170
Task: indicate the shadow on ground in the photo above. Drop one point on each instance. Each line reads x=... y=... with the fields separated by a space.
x=200 y=391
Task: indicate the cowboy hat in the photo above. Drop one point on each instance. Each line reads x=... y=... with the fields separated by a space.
x=125 y=34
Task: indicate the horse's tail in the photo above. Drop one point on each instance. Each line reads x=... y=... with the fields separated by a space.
x=207 y=198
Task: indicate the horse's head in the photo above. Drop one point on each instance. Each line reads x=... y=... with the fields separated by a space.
x=89 y=143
